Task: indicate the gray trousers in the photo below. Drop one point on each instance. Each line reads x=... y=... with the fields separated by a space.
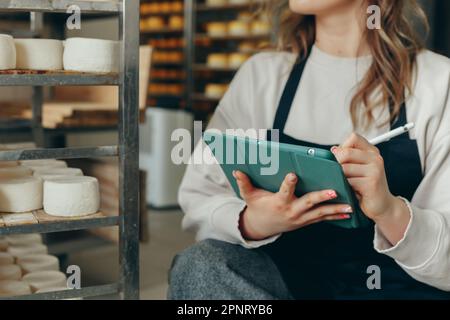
x=215 y=270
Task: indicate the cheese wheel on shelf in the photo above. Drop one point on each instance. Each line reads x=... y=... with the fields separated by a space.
x=215 y=3
x=20 y=195
x=216 y=29
x=39 y=162
x=45 y=279
x=237 y=59
x=26 y=250
x=215 y=91
x=12 y=288
x=91 y=55
x=8 y=52
x=38 y=262
x=238 y=28
x=46 y=173
x=6 y=258
x=23 y=239
x=15 y=172
x=3 y=244
x=39 y=54
x=217 y=60
x=10 y=272
x=71 y=196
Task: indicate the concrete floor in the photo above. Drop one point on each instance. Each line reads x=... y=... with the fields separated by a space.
x=100 y=265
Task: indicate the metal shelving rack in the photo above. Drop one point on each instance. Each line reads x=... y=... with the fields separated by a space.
x=127 y=151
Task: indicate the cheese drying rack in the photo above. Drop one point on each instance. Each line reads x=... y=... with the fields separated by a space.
x=127 y=150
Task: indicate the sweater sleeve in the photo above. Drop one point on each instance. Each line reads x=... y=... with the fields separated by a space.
x=211 y=207
x=424 y=251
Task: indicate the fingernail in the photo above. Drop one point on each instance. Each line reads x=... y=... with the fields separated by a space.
x=234 y=174
x=348 y=210
x=333 y=149
x=344 y=216
x=292 y=177
x=332 y=194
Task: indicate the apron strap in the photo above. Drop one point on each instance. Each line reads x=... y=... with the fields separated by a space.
x=289 y=93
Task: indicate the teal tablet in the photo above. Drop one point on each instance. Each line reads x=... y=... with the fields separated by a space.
x=267 y=164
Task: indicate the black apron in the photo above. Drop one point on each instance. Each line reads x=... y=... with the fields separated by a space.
x=323 y=261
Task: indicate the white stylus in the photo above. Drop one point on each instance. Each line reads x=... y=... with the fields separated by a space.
x=392 y=134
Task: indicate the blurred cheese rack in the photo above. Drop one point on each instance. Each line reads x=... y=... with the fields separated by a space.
x=127 y=153
x=162 y=27
x=221 y=35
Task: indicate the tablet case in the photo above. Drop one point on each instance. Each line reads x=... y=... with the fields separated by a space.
x=317 y=169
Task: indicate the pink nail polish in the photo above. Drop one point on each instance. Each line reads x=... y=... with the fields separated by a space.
x=333 y=149
x=348 y=210
x=332 y=194
x=344 y=216
x=292 y=177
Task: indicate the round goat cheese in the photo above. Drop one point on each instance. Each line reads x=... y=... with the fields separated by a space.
x=8 y=52
x=23 y=239
x=12 y=288
x=46 y=173
x=91 y=55
x=71 y=196
x=20 y=195
x=39 y=54
x=25 y=250
x=45 y=279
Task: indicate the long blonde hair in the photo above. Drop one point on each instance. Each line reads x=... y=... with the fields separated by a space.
x=394 y=48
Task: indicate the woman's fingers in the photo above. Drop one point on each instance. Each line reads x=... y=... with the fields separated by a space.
x=355 y=170
x=350 y=155
x=356 y=141
x=333 y=217
x=312 y=199
x=245 y=185
x=287 y=189
x=326 y=212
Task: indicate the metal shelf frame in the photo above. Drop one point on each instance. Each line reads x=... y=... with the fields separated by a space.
x=127 y=151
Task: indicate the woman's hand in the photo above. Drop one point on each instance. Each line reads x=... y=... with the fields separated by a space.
x=268 y=214
x=364 y=168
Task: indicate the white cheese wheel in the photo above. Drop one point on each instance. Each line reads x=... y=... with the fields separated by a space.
x=71 y=196
x=39 y=54
x=91 y=55
x=10 y=272
x=38 y=262
x=6 y=258
x=23 y=239
x=26 y=250
x=7 y=52
x=39 y=162
x=15 y=172
x=46 y=173
x=8 y=164
x=20 y=195
x=12 y=288
x=45 y=279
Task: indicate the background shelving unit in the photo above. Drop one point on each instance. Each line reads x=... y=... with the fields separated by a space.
x=166 y=37
x=199 y=44
x=127 y=149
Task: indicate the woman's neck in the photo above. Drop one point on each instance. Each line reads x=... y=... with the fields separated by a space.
x=341 y=32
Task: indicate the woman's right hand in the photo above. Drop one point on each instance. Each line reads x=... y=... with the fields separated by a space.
x=268 y=214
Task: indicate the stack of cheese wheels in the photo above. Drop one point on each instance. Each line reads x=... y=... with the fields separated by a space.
x=23 y=239
x=20 y=194
x=45 y=279
x=46 y=173
x=91 y=55
x=39 y=54
x=8 y=52
x=38 y=262
x=71 y=196
x=13 y=288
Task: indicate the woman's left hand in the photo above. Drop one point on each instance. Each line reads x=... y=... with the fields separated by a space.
x=363 y=166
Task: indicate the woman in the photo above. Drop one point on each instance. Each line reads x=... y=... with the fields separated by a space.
x=334 y=76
